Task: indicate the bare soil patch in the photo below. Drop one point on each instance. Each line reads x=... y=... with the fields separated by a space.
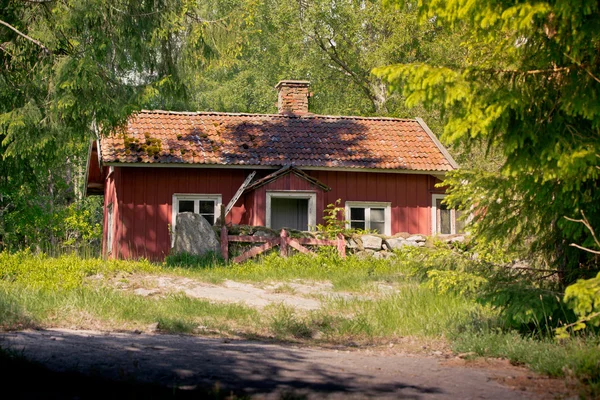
x=299 y=295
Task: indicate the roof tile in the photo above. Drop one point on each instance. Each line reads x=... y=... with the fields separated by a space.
x=274 y=140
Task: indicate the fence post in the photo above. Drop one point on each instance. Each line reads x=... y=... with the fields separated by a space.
x=224 y=233
x=283 y=245
x=224 y=242
x=341 y=245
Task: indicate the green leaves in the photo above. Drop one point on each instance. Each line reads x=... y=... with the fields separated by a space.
x=528 y=91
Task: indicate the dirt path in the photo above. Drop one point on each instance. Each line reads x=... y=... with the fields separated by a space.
x=270 y=371
x=298 y=295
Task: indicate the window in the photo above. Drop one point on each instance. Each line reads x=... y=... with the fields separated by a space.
x=445 y=220
x=206 y=205
x=374 y=216
x=109 y=228
x=291 y=209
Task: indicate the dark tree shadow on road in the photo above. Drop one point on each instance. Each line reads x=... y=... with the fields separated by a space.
x=165 y=366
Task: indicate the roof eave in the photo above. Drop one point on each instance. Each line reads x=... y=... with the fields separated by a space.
x=274 y=167
x=439 y=144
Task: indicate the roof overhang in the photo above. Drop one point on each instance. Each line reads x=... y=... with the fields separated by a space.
x=271 y=167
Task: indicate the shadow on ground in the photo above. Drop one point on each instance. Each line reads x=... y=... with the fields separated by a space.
x=94 y=365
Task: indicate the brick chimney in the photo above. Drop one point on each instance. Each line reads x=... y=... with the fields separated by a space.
x=293 y=97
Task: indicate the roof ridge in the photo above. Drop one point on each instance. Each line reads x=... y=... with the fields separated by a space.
x=304 y=116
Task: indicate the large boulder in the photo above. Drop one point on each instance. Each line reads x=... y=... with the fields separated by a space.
x=194 y=235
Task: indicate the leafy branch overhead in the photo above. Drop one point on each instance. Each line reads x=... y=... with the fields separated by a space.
x=528 y=91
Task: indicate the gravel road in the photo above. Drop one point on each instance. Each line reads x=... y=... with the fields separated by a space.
x=261 y=370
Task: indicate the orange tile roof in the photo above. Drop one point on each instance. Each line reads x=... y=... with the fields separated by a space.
x=162 y=137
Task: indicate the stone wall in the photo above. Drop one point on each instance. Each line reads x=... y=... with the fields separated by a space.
x=377 y=246
x=380 y=246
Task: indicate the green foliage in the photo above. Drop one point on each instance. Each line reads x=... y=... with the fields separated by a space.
x=462 y=282
x=40 y=271
x=331 y=44
x=584 y=298
x=69 y=75
x=528 y=90
x=335 y=222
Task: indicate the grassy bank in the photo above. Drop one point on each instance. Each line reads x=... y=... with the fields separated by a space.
x=439 y=295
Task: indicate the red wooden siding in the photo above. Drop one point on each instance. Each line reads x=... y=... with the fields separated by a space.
x=142 y=200
x=145 y=198
x=410 y=195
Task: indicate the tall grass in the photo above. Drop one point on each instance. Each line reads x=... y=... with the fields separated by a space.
x=106 y=308
x=351 y=273
x=68 y=271
x=577 y=357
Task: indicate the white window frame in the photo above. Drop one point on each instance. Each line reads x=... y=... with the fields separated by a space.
x=110 y=222
x=294 y=194
x=217 y=198
x=434 y=198
x=387 y=206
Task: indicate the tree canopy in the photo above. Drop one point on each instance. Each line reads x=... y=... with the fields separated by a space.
x=529 y=89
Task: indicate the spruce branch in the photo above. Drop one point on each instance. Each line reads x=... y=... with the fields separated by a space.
x=18 y=32
x=589 y=227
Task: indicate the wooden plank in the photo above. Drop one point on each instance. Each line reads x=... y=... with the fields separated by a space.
x=341 y=245
x=224 y=243
x=253 y=252
x=294 y=244
x=239 y=192
x=283 y=243
x=250 y=239
x=317 y=242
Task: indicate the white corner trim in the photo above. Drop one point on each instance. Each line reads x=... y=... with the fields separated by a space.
x=217 y=198
x=293 y=194
x=387 y=206
x=110 y=223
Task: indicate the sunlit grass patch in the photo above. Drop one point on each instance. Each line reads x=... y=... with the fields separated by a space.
x=65 y=272
x=350 y=274
x=104 y=308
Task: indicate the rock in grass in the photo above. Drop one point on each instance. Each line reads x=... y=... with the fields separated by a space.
x=371 y=242
x=194 y=235
x=395 y=243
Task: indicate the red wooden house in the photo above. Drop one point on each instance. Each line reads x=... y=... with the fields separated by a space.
x=162 y=163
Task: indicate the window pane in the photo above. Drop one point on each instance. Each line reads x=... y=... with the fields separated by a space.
x=377 y=215
x=443 y=218
x=210 y=218
x=357 y=225
x=186 y=206
x=378 y=226
x=357 y=214
x=206 y=207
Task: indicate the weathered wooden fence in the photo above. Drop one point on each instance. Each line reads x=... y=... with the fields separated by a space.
x=283 y=241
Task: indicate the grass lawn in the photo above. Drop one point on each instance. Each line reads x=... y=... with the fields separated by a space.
x=67 y=291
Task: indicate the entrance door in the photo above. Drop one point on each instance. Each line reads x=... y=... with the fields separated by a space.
x=289 y=213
